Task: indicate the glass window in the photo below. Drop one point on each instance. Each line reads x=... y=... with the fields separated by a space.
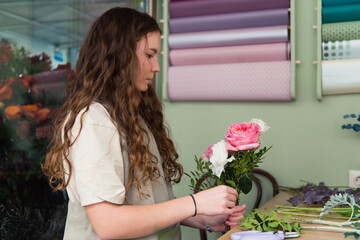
x=40 y=41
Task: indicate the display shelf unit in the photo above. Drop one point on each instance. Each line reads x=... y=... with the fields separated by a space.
x=164 y=16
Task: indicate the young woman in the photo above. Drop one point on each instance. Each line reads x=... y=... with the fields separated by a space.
x=111 y=150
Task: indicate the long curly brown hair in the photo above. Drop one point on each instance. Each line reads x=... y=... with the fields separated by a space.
x=105 y=72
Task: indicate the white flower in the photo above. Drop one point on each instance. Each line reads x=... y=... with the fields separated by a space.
x=263 y=126
x=219 y=158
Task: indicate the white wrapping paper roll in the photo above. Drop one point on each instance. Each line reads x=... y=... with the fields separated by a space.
x=341 y=76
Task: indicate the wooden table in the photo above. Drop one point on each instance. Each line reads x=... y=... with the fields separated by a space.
x=281 y=199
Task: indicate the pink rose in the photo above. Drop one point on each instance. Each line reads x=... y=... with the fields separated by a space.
x=242 y=136
x=207 y=154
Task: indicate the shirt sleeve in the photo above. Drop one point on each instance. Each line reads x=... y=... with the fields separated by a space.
x=97 y=163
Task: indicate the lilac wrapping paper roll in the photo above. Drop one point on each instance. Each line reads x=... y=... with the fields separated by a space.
x=230 y=54
x=273 y=34
x=198 y=8
x=261 y=18
x=259 y=81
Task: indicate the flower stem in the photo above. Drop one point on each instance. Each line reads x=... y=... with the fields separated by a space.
x=299 y=209
x=337 y=229
x=330 y=223
x=308 y=215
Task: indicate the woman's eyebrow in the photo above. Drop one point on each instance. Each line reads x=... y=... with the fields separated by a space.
x=154 y=50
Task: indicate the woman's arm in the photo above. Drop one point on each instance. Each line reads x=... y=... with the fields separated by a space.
x=123 y=221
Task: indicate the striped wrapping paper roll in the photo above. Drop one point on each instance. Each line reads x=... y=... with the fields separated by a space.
x=271 y=17
x=341 y=31
x=228 y=37
x=209 y=7
x=341 y=50
x=337 y=2
x=231 y=54
x=341 y=76
x=341 y=13
x=259 y=81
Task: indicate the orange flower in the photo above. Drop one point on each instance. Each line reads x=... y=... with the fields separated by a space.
x=27 y=80
x=31 y=110
x=5 y=92
x=42 y=115
x=10 y=80
x=13 y=112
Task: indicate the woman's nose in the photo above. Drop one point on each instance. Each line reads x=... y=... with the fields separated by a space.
x=156 y=66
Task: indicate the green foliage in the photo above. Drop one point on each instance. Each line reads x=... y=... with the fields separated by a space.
x=19 y=62
x=342 y=199
x=352 y=234
x=237 y=174
x=268 y=221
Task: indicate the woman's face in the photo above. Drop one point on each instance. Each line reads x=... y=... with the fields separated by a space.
x=147 y=51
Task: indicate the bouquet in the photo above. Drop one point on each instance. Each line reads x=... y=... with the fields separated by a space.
x=231 y=161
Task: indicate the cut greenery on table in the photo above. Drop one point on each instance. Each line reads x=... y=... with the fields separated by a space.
x=269 y=221
x=342 y=205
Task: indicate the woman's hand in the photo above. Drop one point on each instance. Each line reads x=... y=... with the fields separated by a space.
x=238 y=213
x=216 y=201
x=218 y=223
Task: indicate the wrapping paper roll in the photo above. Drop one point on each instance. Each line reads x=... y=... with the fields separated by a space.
x=231 y=54
x=338 y=2
x=341 y=13
x=260 y=81
x=232 y=37
x=271 y=17
x=209 y=7
x=341 y=76
x=341 y=31
x=341 y=50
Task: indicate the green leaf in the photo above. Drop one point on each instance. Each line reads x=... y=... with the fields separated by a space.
x=350 y=234
x=231 y=183
x=266 y=228
x=246 y=225
x=245 y=183
x=287 y=217
x=274 y=224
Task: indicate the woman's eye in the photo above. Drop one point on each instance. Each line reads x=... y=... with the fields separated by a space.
x=149 y=56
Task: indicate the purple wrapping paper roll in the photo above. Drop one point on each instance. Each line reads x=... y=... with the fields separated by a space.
x=231 y=37
x=198 y=8
x=259 y=81
x=231 y=54
x=262 y=18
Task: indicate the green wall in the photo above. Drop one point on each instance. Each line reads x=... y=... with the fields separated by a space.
x=308 y=143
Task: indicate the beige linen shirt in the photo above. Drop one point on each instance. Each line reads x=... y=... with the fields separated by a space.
x=100 y=172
